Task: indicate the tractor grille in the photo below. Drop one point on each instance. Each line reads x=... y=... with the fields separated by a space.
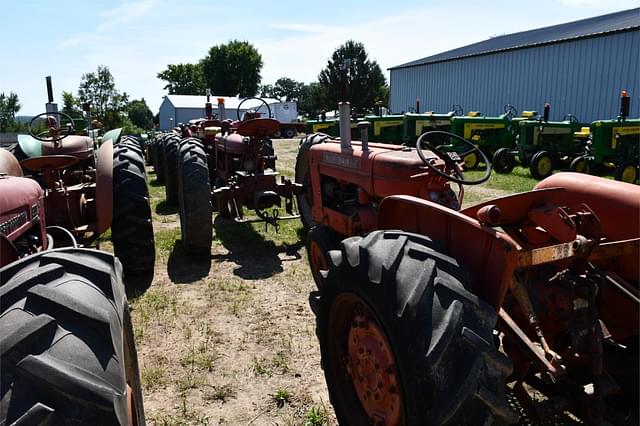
x=13 y=223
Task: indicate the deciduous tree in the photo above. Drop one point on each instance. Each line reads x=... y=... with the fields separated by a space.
x=9 y=107
x=233 y=69
x=183 y=79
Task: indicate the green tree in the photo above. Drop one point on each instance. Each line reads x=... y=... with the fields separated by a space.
x=365 y=81
x=287 y=89
x=233 y=69
x=140 y=114
x=9 y=107
x=107 y=104
x=183 y=79
x=311 y=100
x=267 y=91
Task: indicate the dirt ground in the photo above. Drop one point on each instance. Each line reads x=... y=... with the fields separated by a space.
x=230 y=339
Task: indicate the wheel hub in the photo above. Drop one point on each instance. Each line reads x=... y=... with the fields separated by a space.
x=371 y=366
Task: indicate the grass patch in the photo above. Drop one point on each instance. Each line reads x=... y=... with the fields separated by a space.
x=165 y=241
x=519 y=180
x=153 y=378
x=315 y=416
x=281 y=397
x=221 y=393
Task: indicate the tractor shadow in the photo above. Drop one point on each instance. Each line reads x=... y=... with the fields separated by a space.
x=257 y=257
x=137 y=284
x=185 y=268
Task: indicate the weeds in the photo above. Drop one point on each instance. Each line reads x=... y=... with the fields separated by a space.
x=281 y=397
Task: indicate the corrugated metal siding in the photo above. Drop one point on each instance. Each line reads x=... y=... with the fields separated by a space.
x=582 y=77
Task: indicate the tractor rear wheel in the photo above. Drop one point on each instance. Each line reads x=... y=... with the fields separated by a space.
x=172 y=145
x=580 y=165
x=289 y=133
x=320 y=241
x=541 y=165
x=403 y=340
x=161 y=159
x=303 y=176
x=194 y=198
x=131 y=225
x=627 y=172
x=503 y=161
x=68 y=353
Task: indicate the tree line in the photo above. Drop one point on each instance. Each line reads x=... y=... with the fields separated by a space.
x=109 y=108
x=233 y=69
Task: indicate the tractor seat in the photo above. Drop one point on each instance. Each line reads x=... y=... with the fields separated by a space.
x=77 y=146
x=49 y=162
x=258 y=127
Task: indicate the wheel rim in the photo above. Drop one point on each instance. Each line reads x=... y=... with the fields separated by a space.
x=581 y=167
x=544 y=166
x=629 y=174
x=131 y=406
x=368 y=360
x=318 y=260
x=470 y=161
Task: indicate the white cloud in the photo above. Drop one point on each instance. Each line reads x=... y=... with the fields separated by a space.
x=82 y=40
x=126 y=12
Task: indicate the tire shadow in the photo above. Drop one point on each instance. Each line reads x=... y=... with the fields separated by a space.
x=163 y=208
x=257 y=257
x=185 y=268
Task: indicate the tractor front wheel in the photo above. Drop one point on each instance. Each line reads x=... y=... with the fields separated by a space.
x=303 y=176
x=627 y=172
x=194 y=198
x=68 y=352
x=131 y=225
x=403 y=340
x=541 y=165
x=503 y=161
x=289 y=133
x=580 y=165
x=171 y=169
x=320 y=241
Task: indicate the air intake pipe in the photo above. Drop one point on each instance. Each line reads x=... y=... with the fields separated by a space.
x=364 y=134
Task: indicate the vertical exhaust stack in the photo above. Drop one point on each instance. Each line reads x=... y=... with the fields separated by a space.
x=364 y=134
x=545 y=115
x=625 y=104
x=50 y=106
x=344 y=109
x=221 y=112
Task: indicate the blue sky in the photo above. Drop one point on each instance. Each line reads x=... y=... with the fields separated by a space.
x=138 y=38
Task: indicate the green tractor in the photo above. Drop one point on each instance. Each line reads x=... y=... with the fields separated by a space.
x=489 y=133
x=416 y=124
x=542 y=145
x=613 y=143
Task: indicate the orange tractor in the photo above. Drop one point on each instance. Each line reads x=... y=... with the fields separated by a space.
x=427 y=312
x=90 y=187
x=229 y=166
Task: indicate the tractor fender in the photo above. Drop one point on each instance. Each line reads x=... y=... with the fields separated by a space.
x=104 y=187
x=9 y=164
x=112 y=135
x=30 y=145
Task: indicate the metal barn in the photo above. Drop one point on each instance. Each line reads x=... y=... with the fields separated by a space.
x=579 y=67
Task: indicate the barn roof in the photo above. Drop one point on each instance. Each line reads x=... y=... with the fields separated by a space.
x=197 y=101
x=618 y=21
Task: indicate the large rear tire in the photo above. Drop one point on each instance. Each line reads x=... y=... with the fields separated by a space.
x=303 y=176
x=404 y=341
x=172 y=145
x=541 y=165
x=627 y=171
x=320 y=241
x=503 y=161
x=68 y=353
x=131 y=226
x=194 y=198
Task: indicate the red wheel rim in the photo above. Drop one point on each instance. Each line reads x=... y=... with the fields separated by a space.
x=318 y=260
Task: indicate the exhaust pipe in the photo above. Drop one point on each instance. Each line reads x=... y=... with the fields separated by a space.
x=221 y=112
x=364 y=134
x=344 y=109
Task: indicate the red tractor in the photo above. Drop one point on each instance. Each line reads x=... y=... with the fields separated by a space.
x=427 y=312
x=90 y=187
x=228 y=166
x=68 y=353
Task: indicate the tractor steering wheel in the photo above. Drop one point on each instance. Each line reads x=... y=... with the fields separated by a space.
x=252 y=97
x=451 y=159
x=510 y=110
x=571 y=118
x=457 y=110
x=54 y=131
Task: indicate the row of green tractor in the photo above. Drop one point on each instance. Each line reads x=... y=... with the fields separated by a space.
x=529 y=139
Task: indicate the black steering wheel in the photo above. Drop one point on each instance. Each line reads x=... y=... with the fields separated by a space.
x=457 y=110
x=252 y=97
x=56 y=130
x=571 y=118
x=451 y=159
x=510 y=110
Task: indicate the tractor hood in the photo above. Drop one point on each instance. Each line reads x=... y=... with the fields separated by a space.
x=77 y=146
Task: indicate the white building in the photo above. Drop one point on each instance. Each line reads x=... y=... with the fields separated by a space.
x=182 y=108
